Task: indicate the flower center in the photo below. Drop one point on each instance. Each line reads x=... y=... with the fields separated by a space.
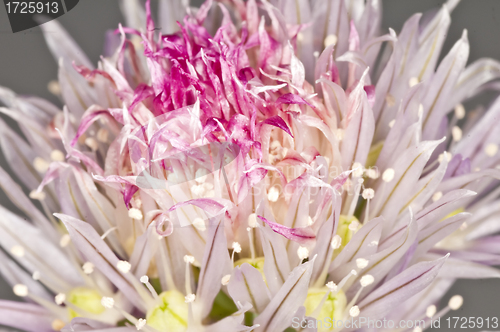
x=331 y=310
x=85 y=299
x=171 y=314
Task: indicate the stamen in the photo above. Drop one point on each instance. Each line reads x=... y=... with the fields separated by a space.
x=273 y=194
x=431 y=311
x=57 y=155
x=40 y=165
x=36 y=275
x=102 y=135
x=251 y=244
x=252 y=220
x=190 y=298
x=390 y=100
x=199 y=224
x=145 y=280
x=491 y=149
x=372 y=173
x=442 y=155
x=456 y=133
x=437 y=196
x=354 y=311
x=336 y=242
x=456 y=302
x=368 y=194
x=57 y=325
x=309 y=221
x=108 y=302
x=388 y=175
x=141 y=322
x=103 y=236
x=460 y=111
x=38 y=195
x=17 y=251
x=330 y=40
x=60 y=298
x=346 y=278
x=391 y=123
x=64 y=241
x=54 y=88
x=135 y=214
x=357 y=169
x=354 y=225
x=92 y=143
x=331 y=286
x=20 y=290
x=361 y=263
x=225 y=279
x=366 y=280
x=413 y=81
x=188 y=259
x=88 y=268
x=236 y=247
x=303 y=253
x=123 y=266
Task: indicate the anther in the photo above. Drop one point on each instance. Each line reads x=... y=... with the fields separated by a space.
x=88 y=268
x=366 y=280
x=141 y=322
x=40 y=164
x=20 y=290
x=354 y=311
x=460 y=111
x=64 y=241
x=430 y=311
x=60 y=298
x=336 y=242
x=330 y=40
x=38 y=195
x=361 y=263
x=388 y=175
x=303 y=253
x=225 y=279
x=273 y=194
x=456 y=133
x=455 y=302
x=57 y=155
x=108 y=302
x=491 y=149
x=135 y=214
x=123 y=266
x=17 y=251
x=190 y=298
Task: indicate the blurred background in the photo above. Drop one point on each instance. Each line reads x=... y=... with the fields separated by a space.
x=26 y=66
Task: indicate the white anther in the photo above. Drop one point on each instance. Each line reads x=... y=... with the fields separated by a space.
x=20 y=290
x=92 y=143
x=309 y=221
x=198 y=190
x=135 y=214
x=316 y=54
x=388 y=175
x=340 y=134
x=201 y=175
x=38 y=195
x=390 y=100
x=236 y=247
x=456 y=302
x=225 y=279
x=336 y=242
x=330 y=40
x=353 y=226
x=40 y=164
x=354 y=272
x=88 y=268
x=17 y=251
x=141 y=322
x=441 y=157
x=64 y=241
x=460 y=111
x=302 y=252
x=273 y=194
x=372 y=173
x=60 y=298
x=188 y=259
x=252 y=220
x=144 y=279
x=300 y=36
x=357 y=170
x=354 y=311
x=36 y=275
x=368 y=193
x=199 y=224
x=413 y=81
x=331 y=286
x=54 y=87
x=417 y=329
x=430 y=311
x=108 y=302
x=366 y=280
x=437 y=196
x=189 y=298
x=57 y=324
x=391 y=123
x=123 y=266
x=491 y=149
x=57 y=155
x=374 y=243
x=420 y=111
x=102 y=135
x=456 y=133
x=361 y=263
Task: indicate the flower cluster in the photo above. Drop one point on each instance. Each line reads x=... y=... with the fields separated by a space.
x=246 y=164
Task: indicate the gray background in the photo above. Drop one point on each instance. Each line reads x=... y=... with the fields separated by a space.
x=26 y=66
